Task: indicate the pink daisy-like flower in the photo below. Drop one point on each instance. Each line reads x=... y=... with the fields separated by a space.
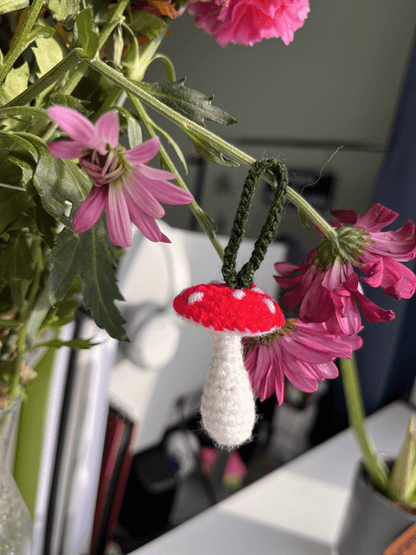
x=249 y=21
x=380 y=260
x=327 y=288
x=328 y=295
x=303 y=352
x=122 y=181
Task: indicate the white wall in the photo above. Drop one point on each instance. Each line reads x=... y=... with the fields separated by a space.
x=338 y=82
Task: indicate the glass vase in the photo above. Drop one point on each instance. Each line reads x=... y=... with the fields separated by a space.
x=15 y=521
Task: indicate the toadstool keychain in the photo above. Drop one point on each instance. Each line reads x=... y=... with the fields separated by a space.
x=232 y=310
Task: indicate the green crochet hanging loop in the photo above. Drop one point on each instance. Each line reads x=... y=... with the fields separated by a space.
x=244 y=278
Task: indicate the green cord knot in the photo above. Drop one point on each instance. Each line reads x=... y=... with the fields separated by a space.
x=244 y=278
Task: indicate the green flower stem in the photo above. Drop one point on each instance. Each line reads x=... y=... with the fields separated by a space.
x=114 y=20
x=35 y=288
x=199 y=214
x=110 y=101
x=18 y=361
x=186 y=124
x=374 y=465
x=20 y=43
x=71 y=60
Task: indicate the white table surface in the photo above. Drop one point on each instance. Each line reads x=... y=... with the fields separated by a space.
x=295 y=510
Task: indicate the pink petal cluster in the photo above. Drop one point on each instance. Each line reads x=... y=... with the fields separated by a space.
x=123 y=184
x=303 y=352
x=331 y=294
x=249 y=21
x=380 y=261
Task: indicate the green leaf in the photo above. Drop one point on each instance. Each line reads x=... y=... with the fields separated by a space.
x=86 y=256
x=20 y=140
x=16 y=111
x=209 y=152
x=145 y=23
x=134 y=130
x=303 y=220
x=13 y=204
x=49 y=51
x=59 y=182
x=100 y=5
x=118 y=46
x=15 y=83
x=63 y=311
x=167 y=64
x=172 y=143
x=63 y=10
x=132 y=60
x=72 y=344
x=12 y=5
x=19 y=289
x=398 y=484
x=87 y=37
x=67 y=100
x=191 y=104
x=16 y=259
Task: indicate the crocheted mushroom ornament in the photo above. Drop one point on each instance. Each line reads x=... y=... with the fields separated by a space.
x=235 y=309
x=228 y=406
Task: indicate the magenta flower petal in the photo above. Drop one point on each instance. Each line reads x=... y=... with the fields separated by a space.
x=146 y=224
x=138 y=193
x=299 y=373
x=161 y=189
x=156 y=175
x=90 y=210
x=371 y=311
x=325 y=371
x=302 y=352
x=75 y=125
x=118 y=219
x=402 y=287
x=285 y=269
x=346 y=216
x=143 y=153
x=107 y=130
x=69 y=150
x=249 y=21
x=376 y=218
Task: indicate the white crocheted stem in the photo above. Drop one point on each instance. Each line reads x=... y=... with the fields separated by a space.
x=228 y=408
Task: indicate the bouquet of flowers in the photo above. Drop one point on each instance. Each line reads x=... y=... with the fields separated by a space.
x=70 y=188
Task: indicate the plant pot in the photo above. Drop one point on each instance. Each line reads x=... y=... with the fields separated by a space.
x=372 y=522
x=15 y=521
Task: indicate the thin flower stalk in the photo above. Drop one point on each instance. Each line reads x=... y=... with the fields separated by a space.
x=374 y=465
x=20 y=43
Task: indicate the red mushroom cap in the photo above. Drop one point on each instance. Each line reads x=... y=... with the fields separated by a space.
x=222 y=308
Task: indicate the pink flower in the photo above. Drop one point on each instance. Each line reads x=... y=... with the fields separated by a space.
x=329 y=296
x=249 y=21
x=122 y=181
x=380 y=260
x=303 y=352
x=327 y=288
